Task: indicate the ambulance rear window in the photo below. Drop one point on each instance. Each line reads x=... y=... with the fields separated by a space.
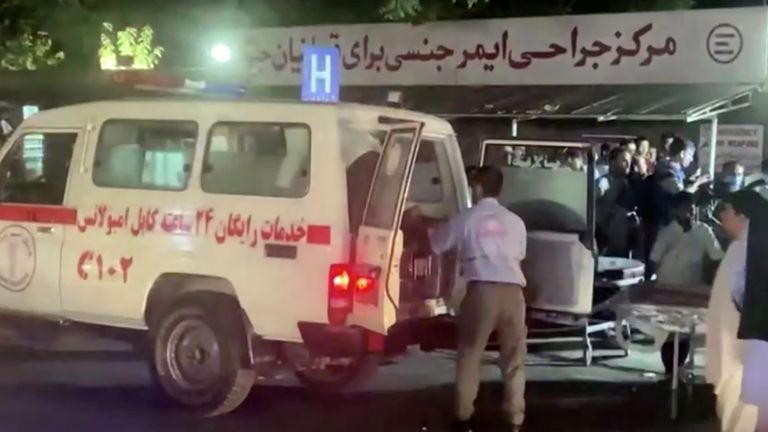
x=145 y=154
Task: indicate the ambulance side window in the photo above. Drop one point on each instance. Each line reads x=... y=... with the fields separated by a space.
x=145 y=154
x=35 y=169
x=257 y=159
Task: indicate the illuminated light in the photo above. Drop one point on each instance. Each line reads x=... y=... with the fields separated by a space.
x=341 y=281
x=221 y=53
x=29 y=110
x=363 y=284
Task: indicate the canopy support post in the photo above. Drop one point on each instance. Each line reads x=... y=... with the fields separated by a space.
x=513 y=133
x=712 y=157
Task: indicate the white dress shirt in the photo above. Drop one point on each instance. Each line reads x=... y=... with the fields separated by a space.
x=754 y=387
x=738 y=283
x=680 y=255
x=491 y=241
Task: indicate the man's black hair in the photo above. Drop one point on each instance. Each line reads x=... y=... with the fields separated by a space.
x=681 y=198
x=730 y=165
x=641 y=139
x=677 y=147
x=668 y=134
x=470 y=171
x=616 y=153
x=746 y=202
x=490 y=179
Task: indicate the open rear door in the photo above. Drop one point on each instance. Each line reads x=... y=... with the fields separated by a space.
x=550 y=185
x=379 y=243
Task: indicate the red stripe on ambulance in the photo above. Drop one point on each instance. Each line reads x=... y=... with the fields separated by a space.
x=319 y=234
x=38 y=214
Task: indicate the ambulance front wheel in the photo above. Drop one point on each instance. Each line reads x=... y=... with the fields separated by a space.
x=198 y=350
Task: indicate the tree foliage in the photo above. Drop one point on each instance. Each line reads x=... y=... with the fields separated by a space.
x=29 y=51
x=129 y=48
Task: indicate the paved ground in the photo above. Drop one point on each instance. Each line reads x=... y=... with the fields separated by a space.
x=75 y=389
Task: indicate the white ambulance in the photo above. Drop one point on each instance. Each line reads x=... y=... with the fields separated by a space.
x=238 y=236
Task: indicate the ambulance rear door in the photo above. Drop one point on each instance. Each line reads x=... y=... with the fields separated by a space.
x=379 y=243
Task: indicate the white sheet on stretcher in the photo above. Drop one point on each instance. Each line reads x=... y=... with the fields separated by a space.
x=560 y=272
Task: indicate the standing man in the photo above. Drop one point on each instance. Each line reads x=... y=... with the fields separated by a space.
x=678 y=257
x=671 y=178
x=492 y=244
x=750 y=293
x=616 y=206
x=629 y=145
x=644 y=151
x=731 y=179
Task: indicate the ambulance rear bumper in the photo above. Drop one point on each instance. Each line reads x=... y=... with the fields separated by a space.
x=333 y=341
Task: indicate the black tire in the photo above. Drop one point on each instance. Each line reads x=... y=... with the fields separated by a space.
x=336 y=379
x=179 y=342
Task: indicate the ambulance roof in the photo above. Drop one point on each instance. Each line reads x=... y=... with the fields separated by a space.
x=76 y=115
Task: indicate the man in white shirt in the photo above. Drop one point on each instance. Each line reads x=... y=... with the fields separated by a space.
x=492 y=243
x=743 y=217
x=679 y=252
x=678 y=257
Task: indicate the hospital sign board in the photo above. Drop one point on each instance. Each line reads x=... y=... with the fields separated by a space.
x=742 y=143
x=679 y=47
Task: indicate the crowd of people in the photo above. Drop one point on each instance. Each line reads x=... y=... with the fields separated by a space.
x=693 y=233
x=637 y=188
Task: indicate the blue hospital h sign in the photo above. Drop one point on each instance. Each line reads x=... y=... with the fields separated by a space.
x=320 y=74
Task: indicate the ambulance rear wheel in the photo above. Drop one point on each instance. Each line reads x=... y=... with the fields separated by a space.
x=340 y=378
x=197 y=359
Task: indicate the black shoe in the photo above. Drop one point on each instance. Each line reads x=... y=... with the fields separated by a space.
x=461 y=426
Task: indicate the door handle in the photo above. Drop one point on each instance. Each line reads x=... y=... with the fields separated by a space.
x=45 y=230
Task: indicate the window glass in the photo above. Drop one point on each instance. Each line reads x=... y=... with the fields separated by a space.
x=35 y=169
x=145 y=154
x=385 y=193
x=260 y=159
x=426 y=182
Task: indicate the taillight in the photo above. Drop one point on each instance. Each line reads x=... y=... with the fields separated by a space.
x=344 y=283
x=364 y=283
x=341 y=281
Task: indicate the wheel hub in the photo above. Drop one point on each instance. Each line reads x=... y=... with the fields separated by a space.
x=193 y=355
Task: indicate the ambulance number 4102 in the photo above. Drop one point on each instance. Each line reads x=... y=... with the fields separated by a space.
x=91 y=264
